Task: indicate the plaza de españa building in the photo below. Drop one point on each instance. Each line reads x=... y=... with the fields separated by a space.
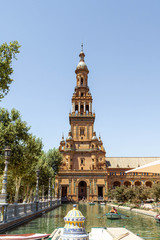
x=86 y=172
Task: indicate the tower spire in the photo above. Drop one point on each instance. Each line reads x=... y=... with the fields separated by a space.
x=81 y=65
x=82 y=47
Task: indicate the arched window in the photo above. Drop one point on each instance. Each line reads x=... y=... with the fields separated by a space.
x=87 y=109
x=82 y=109
x=76 y=108
x=81 y=81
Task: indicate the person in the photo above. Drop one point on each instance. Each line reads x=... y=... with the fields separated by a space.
x=113 y=210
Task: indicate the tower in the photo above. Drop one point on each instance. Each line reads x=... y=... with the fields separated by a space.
x=82 y=151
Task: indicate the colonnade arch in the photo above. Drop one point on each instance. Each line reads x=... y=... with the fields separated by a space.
x=127 y=184
x=116 y=184
x=138 y=183
x=148 y=184
x=82 y=190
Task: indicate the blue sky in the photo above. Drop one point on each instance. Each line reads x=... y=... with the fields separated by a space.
x=122 y=47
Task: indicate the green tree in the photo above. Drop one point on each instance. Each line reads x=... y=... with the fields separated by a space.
x=142 y=193
x=48 y=165
x=156 y=191
x=119 y=194
x=130 y=194
x=54 y=159
x=7 y=53
x=26 y=149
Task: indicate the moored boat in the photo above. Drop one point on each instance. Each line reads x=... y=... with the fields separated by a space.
x=91 y=203
x=29 y=236
x=113 y=215
x=157 y=218
x=102 y=203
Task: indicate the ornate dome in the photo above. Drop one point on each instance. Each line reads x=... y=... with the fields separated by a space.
x=81 y=65
x=74 y=226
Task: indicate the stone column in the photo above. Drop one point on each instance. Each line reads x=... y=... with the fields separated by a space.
x=90 y=107
x=95 y=186
x=77 y=193
x=105 y=186
x=70 y=182
x=73 y=107
x=87 y=193
x=87 y=131
x=121 y=182
x=84 y=107
x=60 y=190
x=76 y=131
x=90 y=186
x=74 y=186
x=79 y=107
x=132 y=183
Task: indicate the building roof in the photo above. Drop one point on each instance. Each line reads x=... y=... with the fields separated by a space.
x=129 y=162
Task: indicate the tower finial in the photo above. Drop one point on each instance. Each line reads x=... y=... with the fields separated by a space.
x=82 y=47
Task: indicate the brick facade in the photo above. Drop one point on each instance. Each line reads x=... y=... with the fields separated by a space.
x=85 y=171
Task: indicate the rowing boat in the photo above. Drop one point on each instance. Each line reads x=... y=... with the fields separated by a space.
x=113 y=215
x=30 y=236
x=157 y=218
x=91 y=203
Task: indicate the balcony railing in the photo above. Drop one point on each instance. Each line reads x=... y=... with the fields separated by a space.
x=82 y=114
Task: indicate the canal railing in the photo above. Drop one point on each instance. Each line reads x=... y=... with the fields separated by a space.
x=20 y=212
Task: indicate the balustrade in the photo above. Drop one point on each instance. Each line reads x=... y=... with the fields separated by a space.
x=15 y=211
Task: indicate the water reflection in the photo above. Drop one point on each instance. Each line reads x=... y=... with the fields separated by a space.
x=144 y=226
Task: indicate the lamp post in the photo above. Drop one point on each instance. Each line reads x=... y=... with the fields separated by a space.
x=49 y=190
x=37 y=186
x=43 y=193
x=36 y=200
x=3 y=195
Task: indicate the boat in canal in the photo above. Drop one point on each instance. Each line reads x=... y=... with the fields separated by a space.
x=102 y=203
x=74 y=230
x=113 y=215
x=30 y=236
x=157 y=218
x=91 y=203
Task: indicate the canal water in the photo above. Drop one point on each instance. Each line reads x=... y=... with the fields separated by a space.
x=142 y=225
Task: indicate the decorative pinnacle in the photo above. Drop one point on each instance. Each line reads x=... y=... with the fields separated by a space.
x=82 y=47
x=82 y=55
